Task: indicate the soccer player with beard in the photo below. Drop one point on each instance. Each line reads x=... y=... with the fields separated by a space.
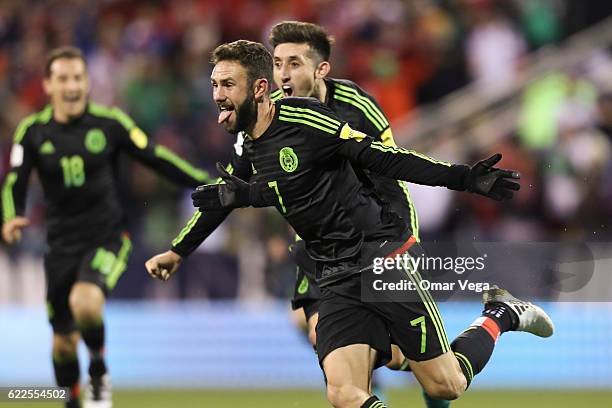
x=301 y=65
x=74 y=145
x=299 y=155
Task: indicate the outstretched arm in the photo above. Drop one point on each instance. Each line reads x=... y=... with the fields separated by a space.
x=133 y=141
x=482 y=178
x=165 y=162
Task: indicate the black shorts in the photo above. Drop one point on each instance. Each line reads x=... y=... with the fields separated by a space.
x=101 y=266
x=416 y=327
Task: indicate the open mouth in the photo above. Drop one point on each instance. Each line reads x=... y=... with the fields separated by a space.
x=287 y=90
x=71 y=98
x=224 y=113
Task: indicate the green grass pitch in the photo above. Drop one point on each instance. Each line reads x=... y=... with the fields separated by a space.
x=313 y=399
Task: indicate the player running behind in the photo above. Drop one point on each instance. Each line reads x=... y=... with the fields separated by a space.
x=74 y=145
x=301 y=65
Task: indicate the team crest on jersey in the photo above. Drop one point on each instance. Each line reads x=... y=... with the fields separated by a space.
x=95 y=141
x=288 y=159
x=47 y=148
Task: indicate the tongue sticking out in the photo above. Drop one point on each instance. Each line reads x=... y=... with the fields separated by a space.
x=223 y=115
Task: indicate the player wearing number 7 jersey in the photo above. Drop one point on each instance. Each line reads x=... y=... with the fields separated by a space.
x=298 y=155
x=74 y=145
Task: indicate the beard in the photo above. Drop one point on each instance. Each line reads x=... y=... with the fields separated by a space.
x=246 y=114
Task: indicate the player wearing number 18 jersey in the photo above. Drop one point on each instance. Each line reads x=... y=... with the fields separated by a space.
x=74 y=145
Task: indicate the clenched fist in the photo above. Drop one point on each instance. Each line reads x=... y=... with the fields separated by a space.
x=163 y=266
x=11 y=231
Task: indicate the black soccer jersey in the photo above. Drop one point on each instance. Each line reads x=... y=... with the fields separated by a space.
x=76 y=163
x=304 y=158
x=363 y=113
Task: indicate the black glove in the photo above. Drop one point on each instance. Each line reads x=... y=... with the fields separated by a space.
x=206 y=197
x=235 y=193
x=490 y=181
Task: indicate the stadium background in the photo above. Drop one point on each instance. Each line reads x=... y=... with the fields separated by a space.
x=458 y=79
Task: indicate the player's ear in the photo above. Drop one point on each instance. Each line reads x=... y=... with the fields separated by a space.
x=322 y=70
x=261 y=88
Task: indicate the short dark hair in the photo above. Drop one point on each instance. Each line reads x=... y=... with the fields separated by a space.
x=299 y=32
x=62 y=52
x=252 y=55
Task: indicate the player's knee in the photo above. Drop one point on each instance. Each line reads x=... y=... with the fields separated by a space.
x=85 y=313
x=344 y=395
x=86 y=304
x=446 y=387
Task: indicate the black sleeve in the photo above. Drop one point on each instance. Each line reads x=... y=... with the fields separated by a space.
x=373 y=121
x=16 y=181
x=201 y=225
x=390 y=161
x=135 y=142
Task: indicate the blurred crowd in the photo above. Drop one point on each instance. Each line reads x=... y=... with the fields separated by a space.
x=151 y=59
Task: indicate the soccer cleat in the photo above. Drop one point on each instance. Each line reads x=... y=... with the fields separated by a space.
x=98 y=393
x=531 y=318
